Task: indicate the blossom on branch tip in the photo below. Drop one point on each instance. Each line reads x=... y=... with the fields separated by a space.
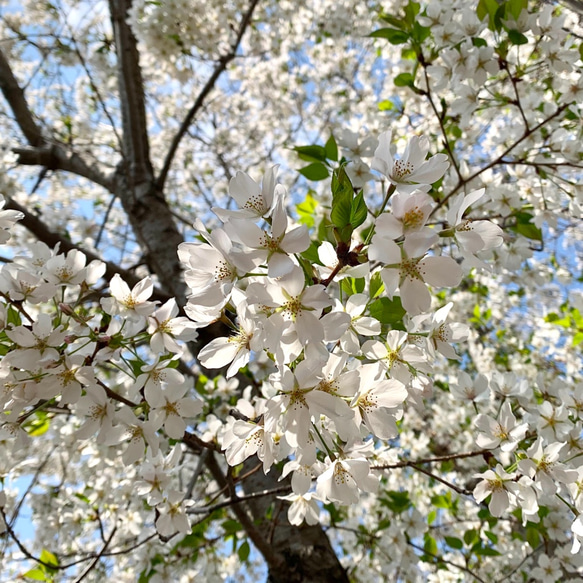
x=408 y=269
x=412 y=171
x=254 y=202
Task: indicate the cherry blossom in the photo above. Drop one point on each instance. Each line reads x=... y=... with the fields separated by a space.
x=412 y=171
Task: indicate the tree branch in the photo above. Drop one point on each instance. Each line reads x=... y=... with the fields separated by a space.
x=42 y=152
x=238 y=500
x=98 y=557
x=18 y=104
x=223 y=61
x=500 y=158
x=431 y=460
x=136 y=150
x=55 y=157
x=39 y=229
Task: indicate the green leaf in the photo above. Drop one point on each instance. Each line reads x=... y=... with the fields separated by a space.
x=376 y=285
x=38 y=427
x=231 y=526
x=533 y=537
x=411 y=11
x=486 y=552
x=386 y=105
x=311 y=153
x=311 y=253
x=49 y=558
x=488 y=8
x=36 y=574
x=13 y=316
x=517 y=38
x=387 y=311
x=331 y=149
x=306 y=210
x=454 y=543
x=243 y=551
x=420 y=33
x=352 y=286
x=358 y=211
x=430 y=546
x=441 y=500
x=404 y=80
x=397 y=501
x=470 y=536
x=525 y=227
x=393 y=20
x=578 y=338
x=515 y=7
x=394 y=36
x=479 y=42
x=315 y=171
x=342 y=197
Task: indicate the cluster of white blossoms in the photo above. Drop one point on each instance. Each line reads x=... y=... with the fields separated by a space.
x=341 y=375
x=59 y=358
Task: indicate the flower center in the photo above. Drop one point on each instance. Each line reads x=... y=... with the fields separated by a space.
x=402 y=169
x=413 y=219
x=223 y=271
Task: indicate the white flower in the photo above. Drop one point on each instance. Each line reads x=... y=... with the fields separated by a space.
x=472 y=236
x=543 y=465
x=139 y=433
x=408 y=269
x=344 y=478
x=296 y=303
x=173 y=409
x=412 y=171
x=503 y=432
x=235 y=349
x=8 y=219
x=467 y=390
x=166 y=328
x=300 y=399
x=98 y=411
x=304 y=507
x=499 y=484
x=254 y=202
x=397 y=355
x=173 y=518
x=409 y=213
x=37 y=346
x=275 y=247
x=377 y=402
x=133 y=303
x=548 y=570
x=152 y=378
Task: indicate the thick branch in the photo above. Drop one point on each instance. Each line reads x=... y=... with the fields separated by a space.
x=147 y=211
x=499 y=160
x=132 y=100
x=55 y=157
x=18 y=104
x=223 y=61
x=44 y=234
x=42 y=152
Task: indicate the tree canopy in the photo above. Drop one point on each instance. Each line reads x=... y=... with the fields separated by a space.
x=291 y=291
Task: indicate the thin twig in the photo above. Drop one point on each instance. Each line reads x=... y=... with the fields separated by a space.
x=223 y=61
x=431 y=460
x=442 y=560
x=97 y=558
x=237 y=500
